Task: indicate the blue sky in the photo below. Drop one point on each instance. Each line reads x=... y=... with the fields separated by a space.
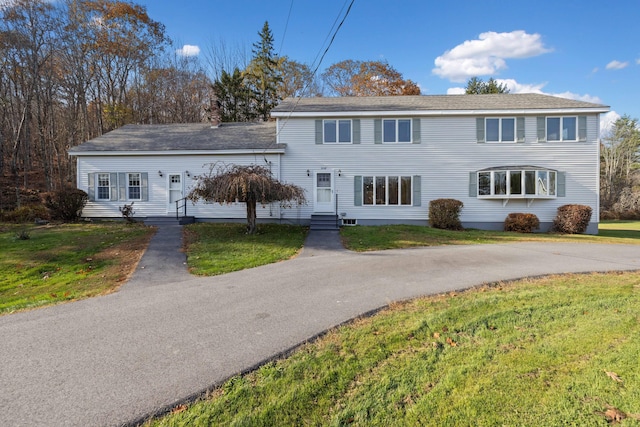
x=582 y=49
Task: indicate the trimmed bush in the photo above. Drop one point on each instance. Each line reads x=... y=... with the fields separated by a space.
x=445 y=214
x=572 y=219
x=66 y=204
x=128 y=212
x=521 y=222
x=28 y=213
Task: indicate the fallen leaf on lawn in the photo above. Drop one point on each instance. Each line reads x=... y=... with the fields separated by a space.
x=436 y=335
x=613 y=376
x=178 y=409
x=451 y=342
x=613 y=415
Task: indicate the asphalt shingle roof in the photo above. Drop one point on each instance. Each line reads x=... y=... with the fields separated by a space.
x=525 y=101
x=193 y=136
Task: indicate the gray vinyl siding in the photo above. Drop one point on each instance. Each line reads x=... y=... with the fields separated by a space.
x=447 y=153
x=365 y=159
x=158 y=198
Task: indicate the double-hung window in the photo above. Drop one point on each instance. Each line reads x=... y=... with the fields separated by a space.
x=500 y=129
x=112 y=186
x=562 y=128
x=387 y=190
x=134 y=186
x=337 y=131
x=396 y=130
x=103 y=186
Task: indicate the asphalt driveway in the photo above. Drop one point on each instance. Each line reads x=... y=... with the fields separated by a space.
x=113 y=360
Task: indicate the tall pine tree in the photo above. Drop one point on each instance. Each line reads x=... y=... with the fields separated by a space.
x=263 y=74
x=477 y=86
x=234 y=97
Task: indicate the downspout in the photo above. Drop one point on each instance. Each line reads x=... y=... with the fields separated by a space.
x=279 y=163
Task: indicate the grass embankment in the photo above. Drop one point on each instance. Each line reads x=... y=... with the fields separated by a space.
x=555 y=351
x=404 y=236
x=65 y=262
x=222 y=248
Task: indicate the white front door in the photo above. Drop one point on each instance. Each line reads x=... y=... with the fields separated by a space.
x=323 y=197
x=175 y=191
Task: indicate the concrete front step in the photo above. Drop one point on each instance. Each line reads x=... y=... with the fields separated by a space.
x=324 y=222
x=168 y=220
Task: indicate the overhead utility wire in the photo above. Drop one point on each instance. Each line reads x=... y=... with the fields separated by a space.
x=286 y=25
x=315 y=70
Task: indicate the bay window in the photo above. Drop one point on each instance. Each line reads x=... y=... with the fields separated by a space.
x=516 y=182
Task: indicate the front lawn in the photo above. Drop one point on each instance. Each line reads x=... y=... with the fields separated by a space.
x=222 y=248
x=403 y=236
x=547 y=352
x=65 y=262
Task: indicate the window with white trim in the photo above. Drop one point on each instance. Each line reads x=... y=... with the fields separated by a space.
x=500 y=129
x=387 y=190
x=562 y=128
x=517 y=183
x=134 y=186
x=396 y=130
x=103 y=186
x=337 y=131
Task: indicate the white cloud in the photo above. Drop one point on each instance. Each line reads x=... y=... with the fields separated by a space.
x=515 y=87
x=456 y=91
x=487 y=54
x=577 y=97
x=638 y=61
x=616 y=65
x=606 y=122
x=188 y=50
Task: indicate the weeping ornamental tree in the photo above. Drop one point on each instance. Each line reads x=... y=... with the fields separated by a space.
x=253 y=184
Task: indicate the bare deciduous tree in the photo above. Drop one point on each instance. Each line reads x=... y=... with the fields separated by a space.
x=619 y=160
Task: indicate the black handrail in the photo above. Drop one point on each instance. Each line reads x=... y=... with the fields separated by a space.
x=183 y=205
x=337 y=217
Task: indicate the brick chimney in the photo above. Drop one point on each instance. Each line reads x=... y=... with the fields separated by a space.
x=214 y=111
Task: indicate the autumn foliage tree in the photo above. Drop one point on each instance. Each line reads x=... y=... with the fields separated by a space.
x=367 y=78
x=252 y=184
x=74 y=69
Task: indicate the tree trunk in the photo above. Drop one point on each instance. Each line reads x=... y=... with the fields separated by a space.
x=251 y=217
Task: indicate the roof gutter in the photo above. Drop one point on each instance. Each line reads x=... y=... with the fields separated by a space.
x=440 y=113
x=176 y=152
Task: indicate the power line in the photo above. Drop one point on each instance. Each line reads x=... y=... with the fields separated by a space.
x=315 y=70
x=334 y=33
x=286 y=25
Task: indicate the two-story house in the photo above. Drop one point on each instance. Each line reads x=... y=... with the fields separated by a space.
x=369 y=160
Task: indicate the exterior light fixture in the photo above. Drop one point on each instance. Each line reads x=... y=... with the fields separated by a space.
x=308 y=172
x=187 y=173
x=160 y=173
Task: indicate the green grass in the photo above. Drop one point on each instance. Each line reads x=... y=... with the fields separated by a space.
x=403 y=236
x=65 y=262
x=530 y=353
x=222 y=248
